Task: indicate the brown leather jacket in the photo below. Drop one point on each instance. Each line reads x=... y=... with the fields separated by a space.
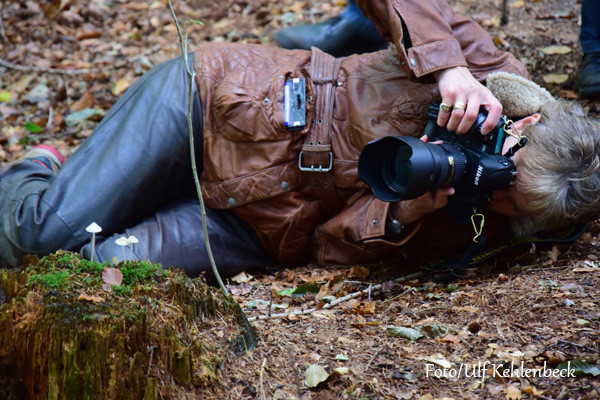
x=252 y=162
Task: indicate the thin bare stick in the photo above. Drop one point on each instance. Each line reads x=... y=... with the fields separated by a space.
x=261 y=388
x=191 y=74
x=337 y=301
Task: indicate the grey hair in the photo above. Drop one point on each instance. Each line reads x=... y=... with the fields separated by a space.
x=559 y=171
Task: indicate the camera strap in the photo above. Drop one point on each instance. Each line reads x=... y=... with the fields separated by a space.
x=511 y=130
x=449 y=272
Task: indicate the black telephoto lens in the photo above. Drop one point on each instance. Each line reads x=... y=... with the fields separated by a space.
x=402 y=168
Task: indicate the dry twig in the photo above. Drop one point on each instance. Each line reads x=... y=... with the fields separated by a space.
x=261 y=388
x=335 y=302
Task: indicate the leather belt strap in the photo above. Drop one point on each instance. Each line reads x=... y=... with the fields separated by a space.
x=316 y=159
x=316 y=151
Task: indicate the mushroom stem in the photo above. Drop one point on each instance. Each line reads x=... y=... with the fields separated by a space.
x=93 y=245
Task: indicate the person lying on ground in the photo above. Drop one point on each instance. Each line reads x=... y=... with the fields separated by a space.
x=277 y=196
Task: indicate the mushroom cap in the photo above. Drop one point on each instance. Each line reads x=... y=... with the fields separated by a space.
x=133 y=239
x=93 y=228
x=122 y=241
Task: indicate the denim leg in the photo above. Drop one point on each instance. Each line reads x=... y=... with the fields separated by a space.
x=589 y=35
x=173 y=236
x=136 y=161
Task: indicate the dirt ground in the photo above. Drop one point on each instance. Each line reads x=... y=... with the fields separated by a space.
x=526 y=311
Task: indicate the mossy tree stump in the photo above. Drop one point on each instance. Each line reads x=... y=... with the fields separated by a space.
x=159 y=334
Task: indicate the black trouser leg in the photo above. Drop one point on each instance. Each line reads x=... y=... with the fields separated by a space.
x=173 y=236
x=135 y=163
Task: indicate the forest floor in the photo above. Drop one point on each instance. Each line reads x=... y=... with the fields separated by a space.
x=63 y=64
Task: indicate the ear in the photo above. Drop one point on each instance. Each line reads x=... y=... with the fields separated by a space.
x=531 y=120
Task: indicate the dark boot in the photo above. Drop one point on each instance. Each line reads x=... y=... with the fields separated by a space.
x=589 y=77
x=350 y=33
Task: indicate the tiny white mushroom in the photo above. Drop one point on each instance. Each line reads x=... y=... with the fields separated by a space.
x=123 y=241
x=93 y=228
x=132 y=240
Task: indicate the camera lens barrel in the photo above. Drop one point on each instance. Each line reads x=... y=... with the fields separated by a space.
x=402 y=168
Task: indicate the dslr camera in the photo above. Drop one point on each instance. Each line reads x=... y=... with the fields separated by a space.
x=402 y=167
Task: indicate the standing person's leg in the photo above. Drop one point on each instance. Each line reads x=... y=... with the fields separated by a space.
x=589 y=38
x=136 y=161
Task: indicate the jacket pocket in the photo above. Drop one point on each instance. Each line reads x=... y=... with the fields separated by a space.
x=251 y=113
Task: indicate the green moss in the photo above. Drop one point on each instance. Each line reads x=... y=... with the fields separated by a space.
x=53 y=279
x=151 y=337
x=138 y=271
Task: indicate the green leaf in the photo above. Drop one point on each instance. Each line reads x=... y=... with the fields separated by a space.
x=33 y=128
x=286 y=292
x=196 y=21
x=5 y=96
x=579 y=367
x=300 y=290
x=341 y=357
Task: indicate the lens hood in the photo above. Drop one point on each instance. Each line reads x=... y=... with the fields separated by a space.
x=403 y=167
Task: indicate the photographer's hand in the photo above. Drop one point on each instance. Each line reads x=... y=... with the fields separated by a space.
x=459 y=88
x=409 y=211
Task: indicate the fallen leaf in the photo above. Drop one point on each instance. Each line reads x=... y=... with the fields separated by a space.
x=120 y=86
x=78 y=117
x=367 y=307
x=579 y=367
x=437 y=359
x=5 y=96
x=556 y=50
x=358 y=272
x=314 y=375
x=112 y=276
x=533 y=391
x=555 y=78
x=341 y=370
x=569 y=94
x=435 y=330
x=86 y=101
x=404 y=332
x=242 y=277
x=554 y=253
x=241 y=289
x=87 y=297
x=258 y=304
x=450 y=339
x=513 y=393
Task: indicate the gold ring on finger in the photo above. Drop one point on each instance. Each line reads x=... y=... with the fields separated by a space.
x=459 y=106
x=444 y=107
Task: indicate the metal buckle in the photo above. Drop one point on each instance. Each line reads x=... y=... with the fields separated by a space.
x=312 y=168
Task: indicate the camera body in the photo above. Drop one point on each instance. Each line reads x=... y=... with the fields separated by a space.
x=401 y=168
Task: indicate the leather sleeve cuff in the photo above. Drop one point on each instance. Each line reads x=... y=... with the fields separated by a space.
x=435 y=56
